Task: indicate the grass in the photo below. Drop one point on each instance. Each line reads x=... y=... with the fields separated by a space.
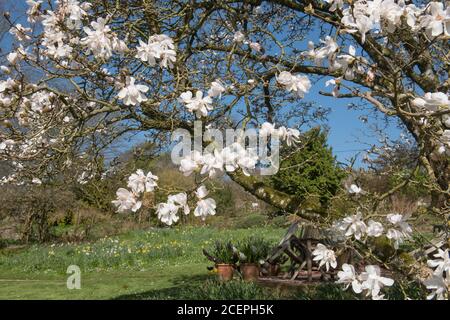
x=152 y=264
x=142 y=264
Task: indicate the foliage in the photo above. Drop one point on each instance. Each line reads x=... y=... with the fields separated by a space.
x=224 y=252
x=310 y=171
x=253 y=249
x=325 y=291
x=411 y=289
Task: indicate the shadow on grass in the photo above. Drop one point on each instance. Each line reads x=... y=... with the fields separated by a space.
x=179 y=290
x=205 y=287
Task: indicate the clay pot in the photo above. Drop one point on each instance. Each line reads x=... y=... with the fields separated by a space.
x=225 y=271
x=250 y=271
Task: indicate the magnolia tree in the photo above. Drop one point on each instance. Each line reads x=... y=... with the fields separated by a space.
x=82 y=75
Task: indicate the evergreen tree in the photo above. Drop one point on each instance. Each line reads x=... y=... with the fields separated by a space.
x=309 y=171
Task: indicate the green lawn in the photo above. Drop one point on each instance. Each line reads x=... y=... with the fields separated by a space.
x=156 y=263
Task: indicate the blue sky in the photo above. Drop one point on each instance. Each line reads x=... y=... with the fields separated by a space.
x=345 y=126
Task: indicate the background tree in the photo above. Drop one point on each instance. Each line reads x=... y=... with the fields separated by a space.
x=310 y=172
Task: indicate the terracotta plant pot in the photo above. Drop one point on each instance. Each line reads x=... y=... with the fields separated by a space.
x=225 y=271
x=250 y=271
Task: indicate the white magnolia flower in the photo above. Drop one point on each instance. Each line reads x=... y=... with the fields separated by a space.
x=139 y=182
x=180 y=199
x=298 y=84
x=412 y=14
x=325 y=256
x=335 y=83
x=188 y=165
x=212 y=164
x=397 y=236
x=132 y=94
x=33 y=6
x=437 y=21
x=354 y=189
x=247 y=160
x=401 y=231
x=148 y=52
x=238 y=37
x=359 y=17
x=399 y=220
x=346 y=64
x=201 y=192
x=373 y=281
x=255 y=46
x=198 y=104
x=268 y=129
x=348 y=277
x=159 y=47
x=8 y=84
x=33 y=10
x=167 y=213
x=126 y=200
x=216 y=89
x=327 y=51
x=12 y=57
x=335 y=4
x=20 y=32
x=374 y=229
x=353 y=225
x=388 y=14
x=191 y=163
x=98 y=39
x=230 y=157
x=59 y=50
x=442 y=264
x=432 y=101
x=205 y=207
x=291 y=136
x=438 y=286
x=74 y=12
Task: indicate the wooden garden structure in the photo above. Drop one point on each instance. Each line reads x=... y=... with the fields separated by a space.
x=297 y=246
